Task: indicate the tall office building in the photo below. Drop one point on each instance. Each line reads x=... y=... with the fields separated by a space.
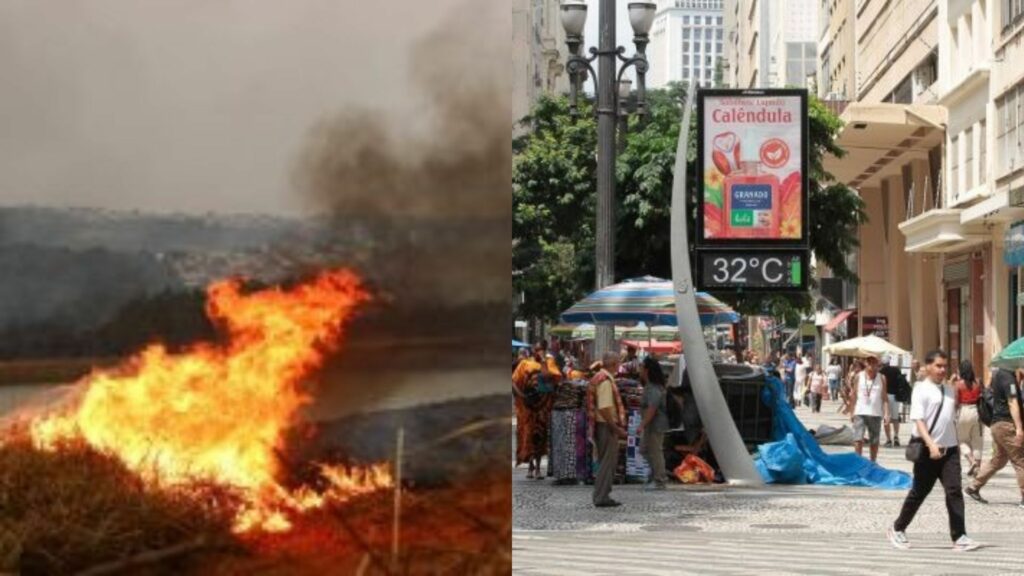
x=770 y=44
x=686 y=43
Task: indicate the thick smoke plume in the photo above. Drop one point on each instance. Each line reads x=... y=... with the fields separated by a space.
x=431 y=194
x=436 y=187
x=456 y=162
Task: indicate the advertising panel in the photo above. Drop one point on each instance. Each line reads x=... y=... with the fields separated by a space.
x=752 y=168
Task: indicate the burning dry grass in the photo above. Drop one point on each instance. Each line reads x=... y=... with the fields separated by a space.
x=464 y=528
x=75 y=510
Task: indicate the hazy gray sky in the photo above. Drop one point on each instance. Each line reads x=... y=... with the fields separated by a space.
x=189 y=105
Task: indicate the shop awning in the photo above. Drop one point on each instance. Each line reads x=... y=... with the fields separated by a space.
x=880 y=138
x=838 y=319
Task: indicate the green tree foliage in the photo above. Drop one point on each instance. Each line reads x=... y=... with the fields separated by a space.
x=554 y=182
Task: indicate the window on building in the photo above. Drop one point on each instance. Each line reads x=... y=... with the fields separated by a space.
x=686 y=73
x=1013 y=13
x=904 y=92
x=1014 y=304
x=707 y=60
x=686 y=19
x=926 y=73
x=795 y=73
x=968 y=159
x=686 y=34
x=718 y=34
x=954 y=167
x=982 y=157
x=707 y=46
x=718 y=46
x=707 y=20
x=686 y=47
x=718 y=21
x=1019 y=156
x=1007 y=132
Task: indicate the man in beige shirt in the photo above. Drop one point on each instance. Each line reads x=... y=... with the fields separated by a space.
x=608 y=429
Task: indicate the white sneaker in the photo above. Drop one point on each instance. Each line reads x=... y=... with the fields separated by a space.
x=965 y=544
x=898 y=539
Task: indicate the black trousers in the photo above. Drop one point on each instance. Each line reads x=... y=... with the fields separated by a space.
x=947 y=471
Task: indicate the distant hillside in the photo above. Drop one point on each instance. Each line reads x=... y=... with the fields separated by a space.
x=84 y=228
x=80 y=288
x=85 y=282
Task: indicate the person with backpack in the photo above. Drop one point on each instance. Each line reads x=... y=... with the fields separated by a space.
x=968 y=427
x=1003 y=399
x=899 y=392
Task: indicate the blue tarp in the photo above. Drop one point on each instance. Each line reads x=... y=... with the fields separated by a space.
x=796 y=458
x=518 y=344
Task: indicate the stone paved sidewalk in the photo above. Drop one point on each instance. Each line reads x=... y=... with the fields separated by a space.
x=806 y=525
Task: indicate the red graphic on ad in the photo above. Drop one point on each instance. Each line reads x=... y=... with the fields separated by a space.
x=726 y=154
x=791 y=205
x=774 y=153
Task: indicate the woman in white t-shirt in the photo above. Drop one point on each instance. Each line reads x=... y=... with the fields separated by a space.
x=934 y=402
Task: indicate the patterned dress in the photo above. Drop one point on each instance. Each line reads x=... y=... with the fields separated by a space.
x=533 y=407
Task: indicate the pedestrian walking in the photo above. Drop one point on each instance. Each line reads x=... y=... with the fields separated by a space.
x=1007 y=434
x=968 y=426
x=609 y=428
x=896 y=387
x=933 y=412
x=655 y=420
x=846 y=391
x=789 y=363
x=835 y=375
x=870 y=408
x=800 y=385
x=819 y=388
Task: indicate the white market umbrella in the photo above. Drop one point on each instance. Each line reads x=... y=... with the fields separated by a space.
x=864 y=347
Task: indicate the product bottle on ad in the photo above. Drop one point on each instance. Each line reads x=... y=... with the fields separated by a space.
x=751 y=203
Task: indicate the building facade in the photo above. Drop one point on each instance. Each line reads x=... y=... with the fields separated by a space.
x=538 y=53
x=934 y=148
x=836 y=78
x=687 y=40
x=770 y=44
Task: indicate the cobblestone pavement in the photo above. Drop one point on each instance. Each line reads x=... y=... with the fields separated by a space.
x=768 y=530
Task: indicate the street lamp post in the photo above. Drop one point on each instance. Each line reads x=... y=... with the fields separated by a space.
x=606 y=77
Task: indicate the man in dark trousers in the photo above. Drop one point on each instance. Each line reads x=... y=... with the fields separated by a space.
x=608 y=429
x=1007 y=434
x=933 y=412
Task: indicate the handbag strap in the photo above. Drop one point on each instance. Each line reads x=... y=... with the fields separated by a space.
x=942 y=392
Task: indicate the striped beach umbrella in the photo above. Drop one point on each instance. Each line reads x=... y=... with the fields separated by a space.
x=647 y=299
x=634 y=331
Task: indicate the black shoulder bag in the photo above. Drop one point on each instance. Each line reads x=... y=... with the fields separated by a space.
x=916 y=450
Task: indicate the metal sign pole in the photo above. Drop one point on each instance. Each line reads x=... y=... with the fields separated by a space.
x=731 y=453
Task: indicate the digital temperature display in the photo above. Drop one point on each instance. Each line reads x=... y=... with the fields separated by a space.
x=757 y=270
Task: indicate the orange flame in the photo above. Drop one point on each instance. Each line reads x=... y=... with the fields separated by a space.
x=220 y=411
